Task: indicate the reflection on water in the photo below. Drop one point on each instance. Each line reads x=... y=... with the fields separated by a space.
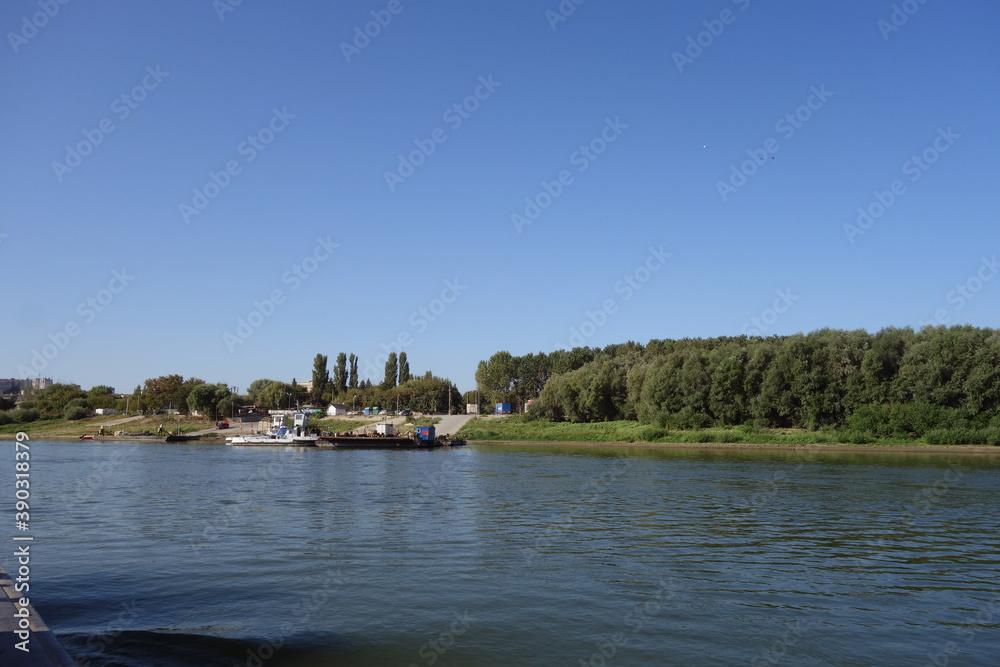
x=526 y=555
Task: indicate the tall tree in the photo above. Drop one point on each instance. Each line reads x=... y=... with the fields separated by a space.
x=391 y=371
x=205 y=398
x=404 y=369
x=320 y=377
x=340 y=374
x=159 y=392
x=256 y=388
x=353 y=382
x=180 y=396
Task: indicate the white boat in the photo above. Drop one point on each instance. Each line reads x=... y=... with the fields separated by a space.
x=280 y=434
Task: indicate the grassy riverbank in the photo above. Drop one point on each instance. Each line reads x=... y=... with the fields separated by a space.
x=520 y=430
x=63 y=427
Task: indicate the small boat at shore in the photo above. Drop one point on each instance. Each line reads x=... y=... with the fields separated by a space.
x=279 y=434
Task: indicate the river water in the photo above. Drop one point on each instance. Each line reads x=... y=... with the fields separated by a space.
x=171 y=555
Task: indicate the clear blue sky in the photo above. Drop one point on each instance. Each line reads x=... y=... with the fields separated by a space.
x=189 y=278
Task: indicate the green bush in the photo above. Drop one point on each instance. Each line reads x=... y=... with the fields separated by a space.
x=651 y=434
x=688 y=419
x=960 y=436
x=872 y=419
x=5 y=418
x=859 y=438
x=76 y=412
x=24 y=415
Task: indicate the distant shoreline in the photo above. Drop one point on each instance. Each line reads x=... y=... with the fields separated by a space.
x=839 y=448
x=981 y=450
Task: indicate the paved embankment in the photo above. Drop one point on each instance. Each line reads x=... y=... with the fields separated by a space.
x=450 y=424
x=31 y=633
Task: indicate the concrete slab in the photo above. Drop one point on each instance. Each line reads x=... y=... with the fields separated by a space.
x=44 y=649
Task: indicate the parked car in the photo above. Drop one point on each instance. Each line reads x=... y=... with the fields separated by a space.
x=406 y=412
x=222 y=424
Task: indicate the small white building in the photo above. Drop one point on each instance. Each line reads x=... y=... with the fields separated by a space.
x=385 y=428
x=336 y=409
x=472 y=408
x=105 y=411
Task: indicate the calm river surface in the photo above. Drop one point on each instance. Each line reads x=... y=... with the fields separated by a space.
x=152 y=555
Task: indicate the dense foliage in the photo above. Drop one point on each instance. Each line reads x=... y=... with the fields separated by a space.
x=896 y=381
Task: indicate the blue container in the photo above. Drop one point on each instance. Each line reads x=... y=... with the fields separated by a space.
x=368 y=411
x=425 y=433
x=503 y=408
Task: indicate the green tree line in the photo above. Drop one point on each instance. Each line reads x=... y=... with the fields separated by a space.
x=896 y=381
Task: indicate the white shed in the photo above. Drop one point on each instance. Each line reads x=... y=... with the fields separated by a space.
x=385 y=428
x=336 y=409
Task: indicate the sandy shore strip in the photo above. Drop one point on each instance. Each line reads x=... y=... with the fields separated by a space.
x=980 y=450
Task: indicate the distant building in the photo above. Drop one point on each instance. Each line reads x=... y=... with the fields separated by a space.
x=105 y=411
x=472 y=409
x=6 y=384
x=305 y=384
x=336 y=409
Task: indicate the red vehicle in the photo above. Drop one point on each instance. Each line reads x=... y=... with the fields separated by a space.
x=222 y=424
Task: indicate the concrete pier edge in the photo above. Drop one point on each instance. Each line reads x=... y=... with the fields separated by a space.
x=44 y=649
